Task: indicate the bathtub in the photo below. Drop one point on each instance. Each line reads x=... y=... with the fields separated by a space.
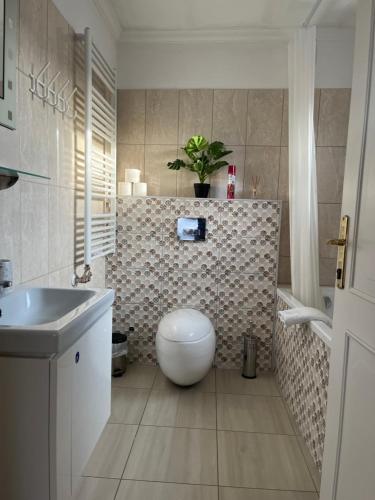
x=323 y=331
x=301 y=363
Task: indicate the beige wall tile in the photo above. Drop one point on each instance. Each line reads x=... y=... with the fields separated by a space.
x=32 y=118
x=130 y=156
x=330 y=163
x=161 y=181
x=61 y=227
x=327 y=271
x=59 y=45
x=34 y=230
x=284 y=231
x=284 y=277
x=264 y=117
x=141 y=490
x=285 y=122
x=10 y=228
x=262 y=161
x=61 y=278
x=185 y=183
x=283 y=187
x=33 y=35
x=195 y=114
x=229 y=116
x=131 y=116
x=219 y=181
x=161 y=116
x=10 y=146
x=333 y=117
x=60 y=139
x=329 y=222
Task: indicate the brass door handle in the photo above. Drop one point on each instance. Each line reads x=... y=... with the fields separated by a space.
x=340 y=242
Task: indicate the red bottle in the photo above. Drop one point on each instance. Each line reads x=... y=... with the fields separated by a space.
x=231 y=181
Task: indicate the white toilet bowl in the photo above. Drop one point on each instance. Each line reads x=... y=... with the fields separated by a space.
x=185 y=346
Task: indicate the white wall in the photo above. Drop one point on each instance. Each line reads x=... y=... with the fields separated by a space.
x=83 y=13
x=229 y=64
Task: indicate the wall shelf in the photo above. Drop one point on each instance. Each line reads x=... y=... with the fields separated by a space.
x=9 y=176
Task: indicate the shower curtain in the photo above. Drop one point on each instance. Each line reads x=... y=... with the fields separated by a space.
x=303 y=198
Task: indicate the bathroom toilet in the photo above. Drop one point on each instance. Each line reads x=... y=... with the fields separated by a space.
x=185 y=346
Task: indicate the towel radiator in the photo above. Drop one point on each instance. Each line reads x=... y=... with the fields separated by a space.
x=95 y=155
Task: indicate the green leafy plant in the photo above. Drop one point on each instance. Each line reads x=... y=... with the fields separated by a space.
x=205 y=157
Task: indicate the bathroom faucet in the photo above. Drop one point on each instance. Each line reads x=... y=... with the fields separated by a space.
x=6 y=275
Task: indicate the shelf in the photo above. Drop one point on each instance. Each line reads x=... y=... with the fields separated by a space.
x=14 y=172
x=9 y=176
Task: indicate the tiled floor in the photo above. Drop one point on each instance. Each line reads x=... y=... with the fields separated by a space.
x=227 y=438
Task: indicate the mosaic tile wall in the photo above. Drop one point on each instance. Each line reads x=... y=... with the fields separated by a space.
x=302 y=367
x=231 y=276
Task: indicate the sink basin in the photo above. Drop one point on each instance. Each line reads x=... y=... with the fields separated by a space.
x=46 y=321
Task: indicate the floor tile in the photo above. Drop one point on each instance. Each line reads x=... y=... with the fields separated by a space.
x=173 y=455
x=110 y=454
x=315 y=474
x=138 y=376
x=247 y=494
x=139 y=490
x=264 y=461
x=93 y=488
x=178 y=407
x=205 y=385
x=237 y=412
x=128 y=405
x=231 y=382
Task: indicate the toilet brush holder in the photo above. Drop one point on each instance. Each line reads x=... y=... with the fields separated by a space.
x=249 y=357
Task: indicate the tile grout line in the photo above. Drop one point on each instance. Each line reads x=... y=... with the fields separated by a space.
x=135 y=436
x=217 y=438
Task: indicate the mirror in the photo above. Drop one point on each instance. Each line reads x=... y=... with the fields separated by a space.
x=8 y=61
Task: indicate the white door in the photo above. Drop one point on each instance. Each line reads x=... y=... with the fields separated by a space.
x=349 y=455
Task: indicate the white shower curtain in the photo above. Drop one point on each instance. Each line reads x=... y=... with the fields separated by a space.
x=304 y=236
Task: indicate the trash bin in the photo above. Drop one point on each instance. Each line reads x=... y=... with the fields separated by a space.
x=249 y=356
x=119 y=353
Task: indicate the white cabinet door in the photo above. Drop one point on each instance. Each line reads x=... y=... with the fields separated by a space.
x=62 y=371
x=91 y=392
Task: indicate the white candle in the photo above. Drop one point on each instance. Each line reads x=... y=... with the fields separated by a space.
x=132 y=175
x=140 y=189
x=125 y=188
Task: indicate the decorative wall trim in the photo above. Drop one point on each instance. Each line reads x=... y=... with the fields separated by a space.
x=231 y=276
x=302 y=367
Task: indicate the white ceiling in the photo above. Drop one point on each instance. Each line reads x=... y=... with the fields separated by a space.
x=227 y=14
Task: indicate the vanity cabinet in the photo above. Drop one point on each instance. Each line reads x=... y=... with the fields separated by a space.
x=52 y=412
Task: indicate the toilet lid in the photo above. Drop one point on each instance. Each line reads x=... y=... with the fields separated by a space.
x=185 y=325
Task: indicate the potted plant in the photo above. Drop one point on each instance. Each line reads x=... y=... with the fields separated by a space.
x=205 y=160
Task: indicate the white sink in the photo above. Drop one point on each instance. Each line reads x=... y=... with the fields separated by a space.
x=46 y=321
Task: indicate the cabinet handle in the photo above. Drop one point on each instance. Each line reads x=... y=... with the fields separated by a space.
x=77 y=357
